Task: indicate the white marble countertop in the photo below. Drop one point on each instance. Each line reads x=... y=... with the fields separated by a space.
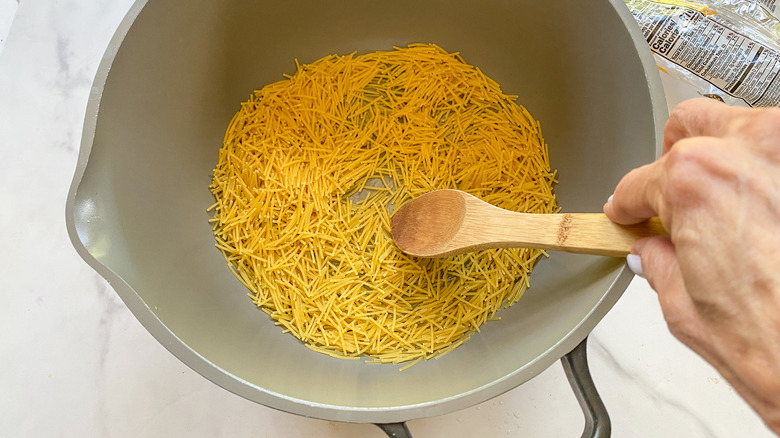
x=74 y=362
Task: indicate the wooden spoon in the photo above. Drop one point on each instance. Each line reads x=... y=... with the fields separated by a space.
x=448 y=222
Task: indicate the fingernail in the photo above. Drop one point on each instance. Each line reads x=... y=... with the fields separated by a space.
x=604 y=208
x=635 y=264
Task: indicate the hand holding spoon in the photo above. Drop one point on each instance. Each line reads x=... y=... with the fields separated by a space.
x=449 y=222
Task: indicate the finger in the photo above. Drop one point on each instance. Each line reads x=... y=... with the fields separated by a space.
x=637 y=195
x=660 y=265
x=700 y=117
x=662 y=271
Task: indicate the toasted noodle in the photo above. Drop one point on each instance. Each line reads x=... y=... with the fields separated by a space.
x=312 y=167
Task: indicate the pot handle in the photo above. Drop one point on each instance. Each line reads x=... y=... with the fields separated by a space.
x=575 y=364
x=395 y=430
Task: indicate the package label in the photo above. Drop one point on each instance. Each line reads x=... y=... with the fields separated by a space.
x=731 y=61
x=770 y=5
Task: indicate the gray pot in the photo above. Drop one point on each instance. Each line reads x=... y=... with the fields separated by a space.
x=174 y=75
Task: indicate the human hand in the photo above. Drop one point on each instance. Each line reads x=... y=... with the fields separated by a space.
x=716 y=189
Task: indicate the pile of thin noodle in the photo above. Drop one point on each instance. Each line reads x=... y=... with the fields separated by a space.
x=312 y=167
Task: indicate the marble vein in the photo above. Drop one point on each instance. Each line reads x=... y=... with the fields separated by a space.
x=638 y=380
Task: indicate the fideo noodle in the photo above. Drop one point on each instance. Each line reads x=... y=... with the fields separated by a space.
x=312 y=167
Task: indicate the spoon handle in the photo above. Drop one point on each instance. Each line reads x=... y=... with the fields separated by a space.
x=583 y=233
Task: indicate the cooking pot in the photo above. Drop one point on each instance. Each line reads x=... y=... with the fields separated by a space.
x=175 y=73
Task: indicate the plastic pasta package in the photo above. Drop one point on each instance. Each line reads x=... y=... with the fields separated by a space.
x=725 y=49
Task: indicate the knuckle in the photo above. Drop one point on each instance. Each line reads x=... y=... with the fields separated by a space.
x=699 y=169
x=686 y=167
x=758 y=130
x=757 y=122
x=683 y=323
x=682 y=326
x=706 y=170
x=690 y=106
x=769 y=117
x=691 y=336
x=758 y=186
x=692 y=113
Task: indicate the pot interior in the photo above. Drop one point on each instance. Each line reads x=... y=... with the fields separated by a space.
x=139 y=210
